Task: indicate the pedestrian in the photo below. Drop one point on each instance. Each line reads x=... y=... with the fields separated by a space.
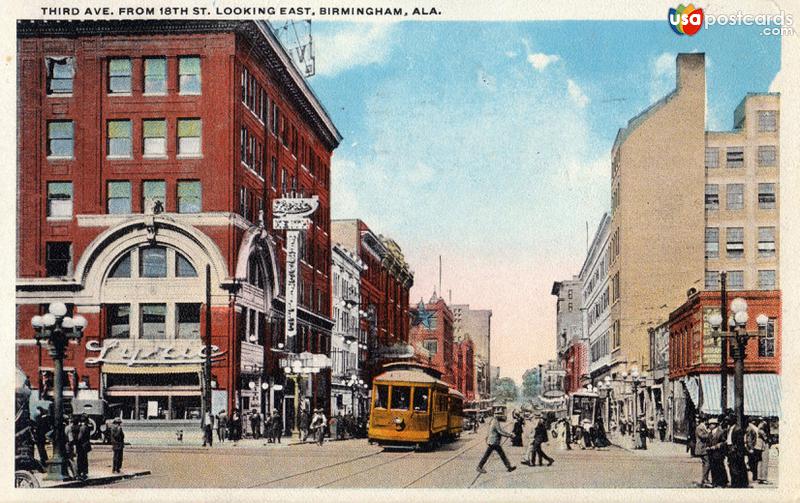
x=567 y=433
x=41 y=426
x=276 y=426
x=736 y=454
x=538 y=437
x=83 y=445
x=222 y=425
x=493 y=438
x=303 y=425
x=518 y=428
x=642 y=433
x=333 y=426
x=702 y=436
x=587 y=434
x=753 y=446
x=600 y=438
x=763 y=467
x=208 y=425
x=662 y=428
x=716 y=453
x=255 y=424
x=318 y=423
x=236 y=424
x=117 y=445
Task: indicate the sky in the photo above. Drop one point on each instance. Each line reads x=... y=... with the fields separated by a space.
x=488 y=144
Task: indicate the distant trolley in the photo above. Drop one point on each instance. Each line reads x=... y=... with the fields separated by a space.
x=412 y=407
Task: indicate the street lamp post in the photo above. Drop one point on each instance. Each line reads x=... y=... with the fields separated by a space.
x=57 y=330
x=740 y=336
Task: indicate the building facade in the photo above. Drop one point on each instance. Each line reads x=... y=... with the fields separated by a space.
x=571 y=345
x=464 y=368
x=476 y=324
x=432 y=337
x=348 y=391
x=596 y=298
x=385 y=286
x=153 y=152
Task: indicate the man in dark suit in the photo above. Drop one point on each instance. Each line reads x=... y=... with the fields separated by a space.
x=716 y=453
x=736 y=453
x=82 y=447
x=535 y=448
x=42 y=426
x=493 y=444
x=117 y=444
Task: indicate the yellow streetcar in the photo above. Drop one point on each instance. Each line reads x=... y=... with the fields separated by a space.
x=412 y=407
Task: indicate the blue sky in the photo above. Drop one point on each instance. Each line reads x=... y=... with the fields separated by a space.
x=488 y=143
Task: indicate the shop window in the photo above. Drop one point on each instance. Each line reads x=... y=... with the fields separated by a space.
x=60 y=139
x=119 y=198
x=189 y=75
x=58 y=258
x=122 y=269
x=60 y=75
x=118 y=316
x=153 y=262
x=119 y=76
x=189 y=137
x=401 y=397
x=189 y=196
x=188 y=321
x=154 y=137
x=153 y=321
x=119 y=138
x=59 y=200
x=184 y=268
x=155 y=75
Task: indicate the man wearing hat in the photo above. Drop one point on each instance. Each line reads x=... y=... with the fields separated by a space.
x=82 y=447
x=318 y=423
x=117 y=444
x=493 y=443
x=716 y=453
x=702 y=435
x=42 y=425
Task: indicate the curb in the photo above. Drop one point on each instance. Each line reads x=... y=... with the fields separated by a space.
x=97 y=481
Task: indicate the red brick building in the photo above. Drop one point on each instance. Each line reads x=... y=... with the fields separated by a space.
x=432 y=337
x=384 y=294
x=464 y=368
x=694 y=354
x=147 y=151
x=576 y=365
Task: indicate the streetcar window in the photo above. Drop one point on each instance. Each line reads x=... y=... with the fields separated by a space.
x=421 y=399
x=382 y=397
x=401 y=396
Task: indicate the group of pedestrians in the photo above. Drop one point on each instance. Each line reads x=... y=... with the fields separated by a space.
x=230 y=426
x=730 y=454
x=538 y=437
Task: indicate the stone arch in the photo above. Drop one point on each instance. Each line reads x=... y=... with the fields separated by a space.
x=102 y=253
x=256 y=244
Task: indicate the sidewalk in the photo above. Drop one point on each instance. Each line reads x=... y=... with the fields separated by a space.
x=97 y=477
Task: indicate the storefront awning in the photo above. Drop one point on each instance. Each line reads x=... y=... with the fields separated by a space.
x=110 y=368
x=762 y=394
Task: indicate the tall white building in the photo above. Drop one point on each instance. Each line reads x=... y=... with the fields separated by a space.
x=596 y=300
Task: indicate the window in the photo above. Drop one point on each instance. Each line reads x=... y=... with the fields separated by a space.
x=767 y=121
x=154 y=321
x=155 y=75
x=767 y=155
x=401 y=397
x=276 y=113
x=184 y=268
x=119 y=325
x=154 y=137
x=59 y=200
x=766 y=280
x=766 y=196
x=189 y=75
x=382 y=396
x=60 y=74
x=712 y=242
x=58 y=259
x=712 y=280
x=431 y=346
x=154 y=196
x=569 y=294
x=273 y=178
x=735 y=280
x=60 y=139
x=189 y=196
x=119 y=138
x=122 y=269
x=243 y=149
x=766 y=343
x=119 y=198
x=712 y=157
x=119 y=76
x=712 y=196
x=735 y=196
x=734 y=157
x=244 y=207
x=766 y=241
x=188 y=321
x=153 y=262
x=420 y=399
x=735 y=242
x=189 y=136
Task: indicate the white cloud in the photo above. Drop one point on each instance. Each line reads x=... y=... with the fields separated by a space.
x=662 y=75
x=576 y=93
x=540 y=60
x=350 y=46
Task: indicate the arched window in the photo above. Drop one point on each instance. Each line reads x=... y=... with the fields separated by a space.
x=122 y=269
x=255 y=276
x=184 y=268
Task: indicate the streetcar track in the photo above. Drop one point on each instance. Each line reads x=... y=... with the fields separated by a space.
x=448 y=460
x=314 y=470
x=367 y=469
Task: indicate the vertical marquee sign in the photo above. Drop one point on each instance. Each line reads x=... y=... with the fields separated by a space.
x=291 y=214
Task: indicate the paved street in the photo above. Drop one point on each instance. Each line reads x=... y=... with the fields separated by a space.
x=356 y=464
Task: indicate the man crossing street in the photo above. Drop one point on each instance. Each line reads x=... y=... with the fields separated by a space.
x=493 y=444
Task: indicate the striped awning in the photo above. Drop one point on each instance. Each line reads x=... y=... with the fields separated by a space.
x=762 y=394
